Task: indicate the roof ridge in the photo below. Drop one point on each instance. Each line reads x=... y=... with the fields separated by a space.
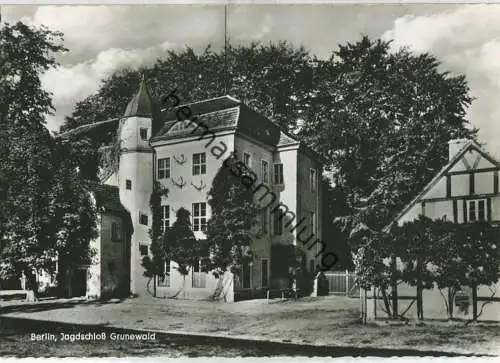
x=204 y=114
x=206 y=100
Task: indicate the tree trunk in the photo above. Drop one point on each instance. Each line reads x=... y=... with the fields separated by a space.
x=451 y=298
x=420 y=305
x=31 y=287
x=386 y=303
x=183 y=286
x=474 y=302
x=394 y=289
x=154 y=285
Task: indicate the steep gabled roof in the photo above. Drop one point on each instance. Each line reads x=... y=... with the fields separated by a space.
x=286 y=139
x=108 y=198
x=216 y=114
x=100 y=127
x=471 y=144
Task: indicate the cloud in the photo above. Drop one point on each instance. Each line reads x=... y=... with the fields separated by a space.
x=70 y=84
x=467 y=41
x=102 y=39
x=89 y=30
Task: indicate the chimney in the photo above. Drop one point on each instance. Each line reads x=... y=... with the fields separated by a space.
x=455 y=145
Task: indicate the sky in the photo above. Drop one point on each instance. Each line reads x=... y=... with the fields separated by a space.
x=102 y=39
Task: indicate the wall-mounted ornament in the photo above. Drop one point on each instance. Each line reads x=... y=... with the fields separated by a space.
x=180 y=160
x=199 y=187
x=180 y=184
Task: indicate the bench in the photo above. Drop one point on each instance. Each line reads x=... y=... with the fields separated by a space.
x=12 y=294
x=288 y=291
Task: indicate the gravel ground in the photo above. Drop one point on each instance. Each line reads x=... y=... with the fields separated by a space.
x=331 y=321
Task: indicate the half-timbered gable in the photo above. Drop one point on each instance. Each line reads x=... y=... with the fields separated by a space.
x=466 y=189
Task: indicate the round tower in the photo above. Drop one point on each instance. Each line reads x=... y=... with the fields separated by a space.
x=135 y=177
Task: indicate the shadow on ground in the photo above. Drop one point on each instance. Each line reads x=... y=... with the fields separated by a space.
x=51 y=304
x=14 y=332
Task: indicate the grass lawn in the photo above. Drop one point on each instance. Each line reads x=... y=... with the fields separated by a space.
x=324 y=321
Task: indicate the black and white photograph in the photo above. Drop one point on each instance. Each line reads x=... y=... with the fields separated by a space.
x=234 y=179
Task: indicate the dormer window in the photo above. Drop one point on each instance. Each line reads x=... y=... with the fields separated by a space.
x=143 y=133
x=182 y=125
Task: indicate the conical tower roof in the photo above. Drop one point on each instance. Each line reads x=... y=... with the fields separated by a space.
x=141 y=105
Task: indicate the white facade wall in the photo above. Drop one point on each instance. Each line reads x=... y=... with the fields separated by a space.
x=136 y=165
x=181 y=172
x=437 y=203
x=261 y=246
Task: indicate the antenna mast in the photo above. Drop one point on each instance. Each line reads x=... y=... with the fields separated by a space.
x=226 y=70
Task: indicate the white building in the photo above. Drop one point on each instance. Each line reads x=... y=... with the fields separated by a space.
x=465 y=190
x=184 y=156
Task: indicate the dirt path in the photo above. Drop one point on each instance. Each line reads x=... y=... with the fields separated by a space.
x=329 y=321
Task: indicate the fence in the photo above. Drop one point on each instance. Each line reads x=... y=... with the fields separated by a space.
x=342 y=283
x=199 y=279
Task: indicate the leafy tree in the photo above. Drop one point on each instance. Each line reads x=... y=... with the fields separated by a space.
x=154 y=266
x=273 y=78
x=415 y=247
x=373 y=265
x=383 y=118
x=46 y=210
x=180 y=243
x=72 y=213
x=333 y=204
x=468 y=257
x=234 y=213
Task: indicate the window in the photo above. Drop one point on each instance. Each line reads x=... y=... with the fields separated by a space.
x=115 y=232
x=143 y=249
x=263 y=220
x=246 y=271
x=164 y=280
x=199 y=216
x=476 y=210
x=265 y=171
x=312 y=222
x=278 y=223
x=247 y=159
x=128 y=184
x=199 y=277
x=312 y=180
x=143 y=219
x=199 y=164
x=164 y=168
x=278 y=173
x=312 y=266
x=182 y=125
x=265 y=272
x=165 y=218
x=143 y=133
